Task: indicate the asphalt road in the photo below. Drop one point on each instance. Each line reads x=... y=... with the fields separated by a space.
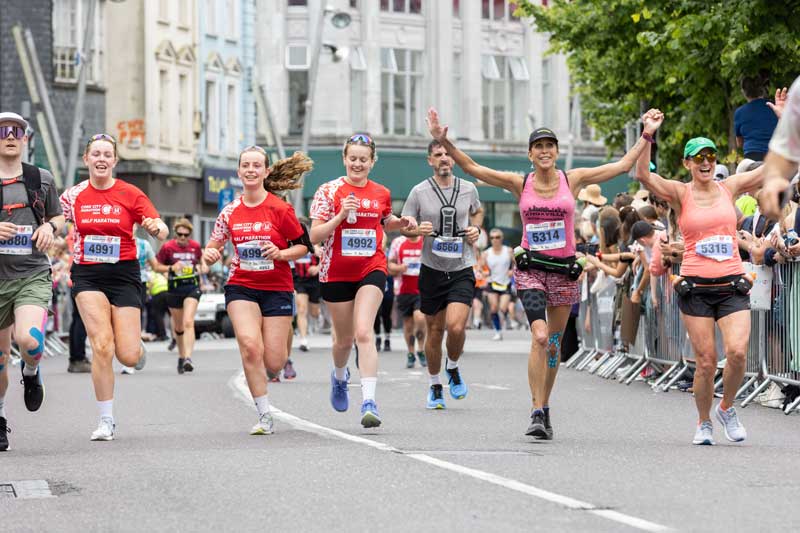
x=183 y=459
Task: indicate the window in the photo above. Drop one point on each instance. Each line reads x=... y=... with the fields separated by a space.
x=300 y=3
x=504 y=99
x=402 y=6
x=69 y=21
x=211 y=17
x=498 y=10
x=164 y=107
x=232 y=19
x=184 y=122
x=297 y=57
x=457 y=101
x=212 y=117
x=357 y=100
x=353 y=4
x=232 y=130
x=298 y=93
x=547 y=93
x=401 y=91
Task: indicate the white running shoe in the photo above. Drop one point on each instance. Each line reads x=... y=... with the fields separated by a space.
x=128 y=370
x=264 y=426
x=704 y=434
x=497 y=336
x=734 y=430
x=105 y=429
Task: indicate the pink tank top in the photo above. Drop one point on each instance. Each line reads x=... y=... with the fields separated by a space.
x=709 y=233
x=548 y=224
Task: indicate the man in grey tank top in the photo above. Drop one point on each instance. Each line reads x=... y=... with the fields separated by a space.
x=449 y=213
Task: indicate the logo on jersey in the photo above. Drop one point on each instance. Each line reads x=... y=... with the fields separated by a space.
x=374 y=204
x=365 y=203
x=106 y=209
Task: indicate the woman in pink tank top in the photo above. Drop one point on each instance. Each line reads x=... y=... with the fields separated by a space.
x=547 y=207
x=712 y=288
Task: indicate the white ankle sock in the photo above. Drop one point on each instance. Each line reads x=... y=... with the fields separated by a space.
x=2 y=406
x=368 y=388
x=340 y=373
x=106 y=408
x=30 y=370
x=434 y=380
x=262 y=404
x=451 y=364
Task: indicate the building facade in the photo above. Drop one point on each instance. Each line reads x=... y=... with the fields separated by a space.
x=486 y=71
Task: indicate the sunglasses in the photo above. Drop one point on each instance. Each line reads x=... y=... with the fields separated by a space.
x=360 y=137
x=711 y=158
x=255 y=148
x=495 y=237
x=16 y=131
x=182 y=234
x=102 y=137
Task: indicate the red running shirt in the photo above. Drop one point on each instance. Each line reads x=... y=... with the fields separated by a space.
x=171 y=252
x=406 y=252
x=352 y=250
x=104 y=221
x=272 y=220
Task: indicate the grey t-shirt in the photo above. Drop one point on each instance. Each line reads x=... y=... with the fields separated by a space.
x=424 y=204
x=13 y=266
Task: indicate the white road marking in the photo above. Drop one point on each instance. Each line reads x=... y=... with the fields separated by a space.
x=238 y=384
x=489 y=387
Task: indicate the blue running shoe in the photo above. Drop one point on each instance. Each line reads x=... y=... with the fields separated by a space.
x=435 y=397
x=369 y=414
x=458 y=389
x=340 y=396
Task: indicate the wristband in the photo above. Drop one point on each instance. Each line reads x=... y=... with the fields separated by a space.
x=55 y=229
x=647 y=137
x=600 y=255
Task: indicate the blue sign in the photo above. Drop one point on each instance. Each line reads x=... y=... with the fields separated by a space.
x=225 y=197
x=217 y=179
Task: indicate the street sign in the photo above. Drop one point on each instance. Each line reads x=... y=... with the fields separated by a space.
x=225 y=197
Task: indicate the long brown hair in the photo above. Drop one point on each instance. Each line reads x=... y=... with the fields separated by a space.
x=284 y=174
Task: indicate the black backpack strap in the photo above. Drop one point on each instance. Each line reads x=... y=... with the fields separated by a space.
x=32 y=176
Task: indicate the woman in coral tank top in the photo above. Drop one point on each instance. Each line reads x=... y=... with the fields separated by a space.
x=712 y=289
x=547 y=208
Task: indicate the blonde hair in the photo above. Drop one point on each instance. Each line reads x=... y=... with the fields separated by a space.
x=285 y=174
x=183 y=223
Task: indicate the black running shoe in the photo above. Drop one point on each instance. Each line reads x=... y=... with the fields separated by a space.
x=377 y=344
x=181 y=368
x=172 y=344
x=34 y=389
x=537 y=429
x=3 y=437
x=387 y=346
x=548 y=427
x=187 y=364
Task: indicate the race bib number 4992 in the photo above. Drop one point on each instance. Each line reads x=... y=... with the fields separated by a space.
x=359 y=242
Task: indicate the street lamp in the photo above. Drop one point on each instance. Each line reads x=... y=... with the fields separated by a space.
x=339 y=20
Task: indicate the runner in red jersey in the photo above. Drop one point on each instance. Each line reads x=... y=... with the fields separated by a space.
x=405 y=255
x=259 y=294
x=181 y=258
x=105 y=271
x=350 y=215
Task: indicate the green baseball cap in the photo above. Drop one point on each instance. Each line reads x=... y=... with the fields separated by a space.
x=694 y=146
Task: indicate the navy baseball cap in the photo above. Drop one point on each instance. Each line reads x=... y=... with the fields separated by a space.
x=541 y=133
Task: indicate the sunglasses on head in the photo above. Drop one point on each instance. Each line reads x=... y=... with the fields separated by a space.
x=255 y=148
x=102 y=137
x=179 y=234
x=698 y=158
x=360 y=137
x=17 y=131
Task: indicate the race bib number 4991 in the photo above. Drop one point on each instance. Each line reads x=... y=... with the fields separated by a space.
x=250 y=257
x=101 y=249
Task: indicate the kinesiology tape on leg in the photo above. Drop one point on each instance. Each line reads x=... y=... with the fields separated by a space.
x=36 y=352
x=2 y=361
x=553 y=347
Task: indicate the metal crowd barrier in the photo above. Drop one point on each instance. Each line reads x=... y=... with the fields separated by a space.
x=773 y=354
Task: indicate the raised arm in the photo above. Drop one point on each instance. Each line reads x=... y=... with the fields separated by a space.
x=665 y=189
x=507 y=180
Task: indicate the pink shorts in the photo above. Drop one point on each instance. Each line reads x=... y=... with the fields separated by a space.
x=560 y=290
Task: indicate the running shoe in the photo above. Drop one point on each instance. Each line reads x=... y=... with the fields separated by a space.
x=704 y=434
x=105 y=429
x=435 y=397
x=187 y=364
x=143 y=359
x=340 y=395
x=377 y=344
x=264 y=426
x=4 y=429
x=548 y=427
x=34 y=388
x=274 y=378
x=497 y=336
x=369 y=414
x=172 y=344
x=288 y=370
x=81 y=366
x=734 y=430
x=423 y=361
x=410 y=360
x=458 y=389
x=537 y=429
x=128 y=370
x=181 y=370
x=387 y=346
x=303 y=346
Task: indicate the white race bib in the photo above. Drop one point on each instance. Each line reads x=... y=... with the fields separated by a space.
x=448 y=247
x=359 y=242
x=718 y=247
x=413 y=264
x=546 y=235
x=19 y=244
x=101 y=249
x=250 y=257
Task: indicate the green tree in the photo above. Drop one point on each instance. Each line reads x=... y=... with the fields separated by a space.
x=686 y=57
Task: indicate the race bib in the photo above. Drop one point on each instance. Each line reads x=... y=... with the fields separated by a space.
x=718 y=247
x=413 y=265
x=305 y=260
x=186 y=271
x=101 y=249
x=250 y=257
x=19 y=244
x=546 y=235
x=448 y=247
x=499 y=287
x=359 y=242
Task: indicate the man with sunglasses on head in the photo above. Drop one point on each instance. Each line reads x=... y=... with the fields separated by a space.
x=451 y=214
x=181 y=260
x=30 y=218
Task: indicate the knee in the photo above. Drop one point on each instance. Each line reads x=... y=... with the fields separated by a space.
x=343 y=342
x=736 y=355
x=252 y=349
x=188 y=323
x=31 y=343
x=363 y=335
x=274 y=367
x=706 y=364
x=455 y=330
x=129 y=356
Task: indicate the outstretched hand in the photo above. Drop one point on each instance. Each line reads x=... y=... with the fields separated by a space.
x=652 y=120
x=780 y=101
x=436 y=129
